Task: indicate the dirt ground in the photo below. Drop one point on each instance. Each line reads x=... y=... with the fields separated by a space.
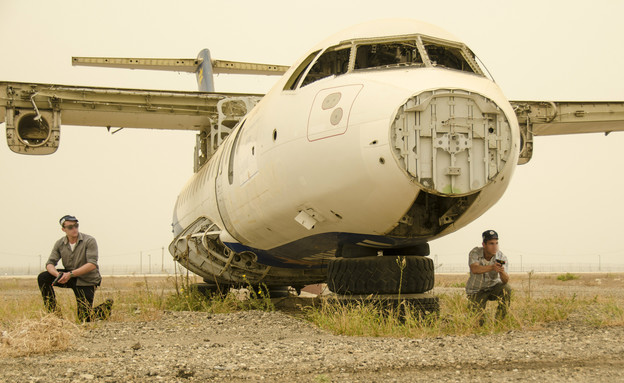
x=278 y=347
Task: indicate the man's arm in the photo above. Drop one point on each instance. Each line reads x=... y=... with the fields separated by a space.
x=476 y=268
x=52 y=269
x=79 y=271
x=87 y=267
x=55 y=256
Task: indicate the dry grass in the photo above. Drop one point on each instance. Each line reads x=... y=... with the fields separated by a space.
x=456 y=318
x=594 y=299
x=136 y=298
x=591 y=299
x=37 y=336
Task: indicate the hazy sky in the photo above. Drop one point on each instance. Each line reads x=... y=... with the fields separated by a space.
x=564 y=206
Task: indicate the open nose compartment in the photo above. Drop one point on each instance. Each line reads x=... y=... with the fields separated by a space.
x=451 y=142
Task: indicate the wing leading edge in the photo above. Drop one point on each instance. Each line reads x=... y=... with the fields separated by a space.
x=541 y=118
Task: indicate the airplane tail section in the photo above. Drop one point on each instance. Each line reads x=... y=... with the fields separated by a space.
x=203 y=67
x=205 y=82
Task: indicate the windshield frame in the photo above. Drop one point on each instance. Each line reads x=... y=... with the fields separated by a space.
x=420 y=41
x=298 y=78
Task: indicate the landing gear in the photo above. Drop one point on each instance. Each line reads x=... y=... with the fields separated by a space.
x=380 y=275
x=211 y=290
x=397 y=280
x=273 y=291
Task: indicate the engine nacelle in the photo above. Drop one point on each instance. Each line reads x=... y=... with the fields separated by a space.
x=29 y=132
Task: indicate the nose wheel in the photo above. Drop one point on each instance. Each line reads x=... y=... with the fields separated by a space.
x=381 y=275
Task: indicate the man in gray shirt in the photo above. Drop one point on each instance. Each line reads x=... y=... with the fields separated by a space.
x=79 y=254
x=488 y=276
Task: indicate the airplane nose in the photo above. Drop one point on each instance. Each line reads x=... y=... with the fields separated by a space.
x=451 y=141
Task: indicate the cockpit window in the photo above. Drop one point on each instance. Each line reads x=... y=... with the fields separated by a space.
x=296 y=76
x=387 y=54
x=447 y=57
x=332 y=62
x=407 y=51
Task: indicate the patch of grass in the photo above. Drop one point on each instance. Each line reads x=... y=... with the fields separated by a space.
x=456 y=318
x=604 y=312
x=31 y=337
x=567 y=277
x=188 y=298
x=135 y=299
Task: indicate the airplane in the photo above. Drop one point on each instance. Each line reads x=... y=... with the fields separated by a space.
x=380 y=139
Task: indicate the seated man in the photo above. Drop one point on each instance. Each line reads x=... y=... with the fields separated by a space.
x=79 y=254
x=488 y=277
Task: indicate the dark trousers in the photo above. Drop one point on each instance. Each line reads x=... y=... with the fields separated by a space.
x=500 y=292
x=84 y=295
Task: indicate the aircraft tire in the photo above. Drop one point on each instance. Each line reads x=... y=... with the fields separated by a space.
x=426 y=305
x=421 y=250
x=380 y=275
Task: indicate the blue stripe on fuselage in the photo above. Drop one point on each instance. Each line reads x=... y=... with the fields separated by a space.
x=313 y=252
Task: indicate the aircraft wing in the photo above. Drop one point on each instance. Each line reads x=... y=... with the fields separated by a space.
x=547 y=118
x=114 y=107
x=34 y=112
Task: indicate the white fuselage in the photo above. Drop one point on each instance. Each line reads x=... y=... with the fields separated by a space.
x=296 y=152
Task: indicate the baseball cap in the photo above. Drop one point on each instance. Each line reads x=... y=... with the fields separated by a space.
x=489 y=234
x=67 y=218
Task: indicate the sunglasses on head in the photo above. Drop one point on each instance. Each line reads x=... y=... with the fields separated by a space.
x=70 y=227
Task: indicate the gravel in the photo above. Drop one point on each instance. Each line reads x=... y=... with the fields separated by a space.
x=275 y=347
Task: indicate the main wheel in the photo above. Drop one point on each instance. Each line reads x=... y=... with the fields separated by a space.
x=210 y=290
x=421 y=249
x=380 y=275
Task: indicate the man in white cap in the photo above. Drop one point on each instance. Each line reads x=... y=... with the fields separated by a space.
x=79 y=254
x=489 y=278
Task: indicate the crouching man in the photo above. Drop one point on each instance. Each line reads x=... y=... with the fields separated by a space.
x=79 y=254
x=488 y=279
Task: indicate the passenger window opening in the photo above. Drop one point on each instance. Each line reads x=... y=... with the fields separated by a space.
x=333 y=62
x=387 y=55
x=447 y=57
x=292 y=82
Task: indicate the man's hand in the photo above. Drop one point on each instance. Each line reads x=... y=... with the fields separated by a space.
x=65 y=278
x=499 y=268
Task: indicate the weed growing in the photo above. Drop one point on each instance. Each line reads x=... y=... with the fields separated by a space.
x=567 y=277
x=605 y=312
